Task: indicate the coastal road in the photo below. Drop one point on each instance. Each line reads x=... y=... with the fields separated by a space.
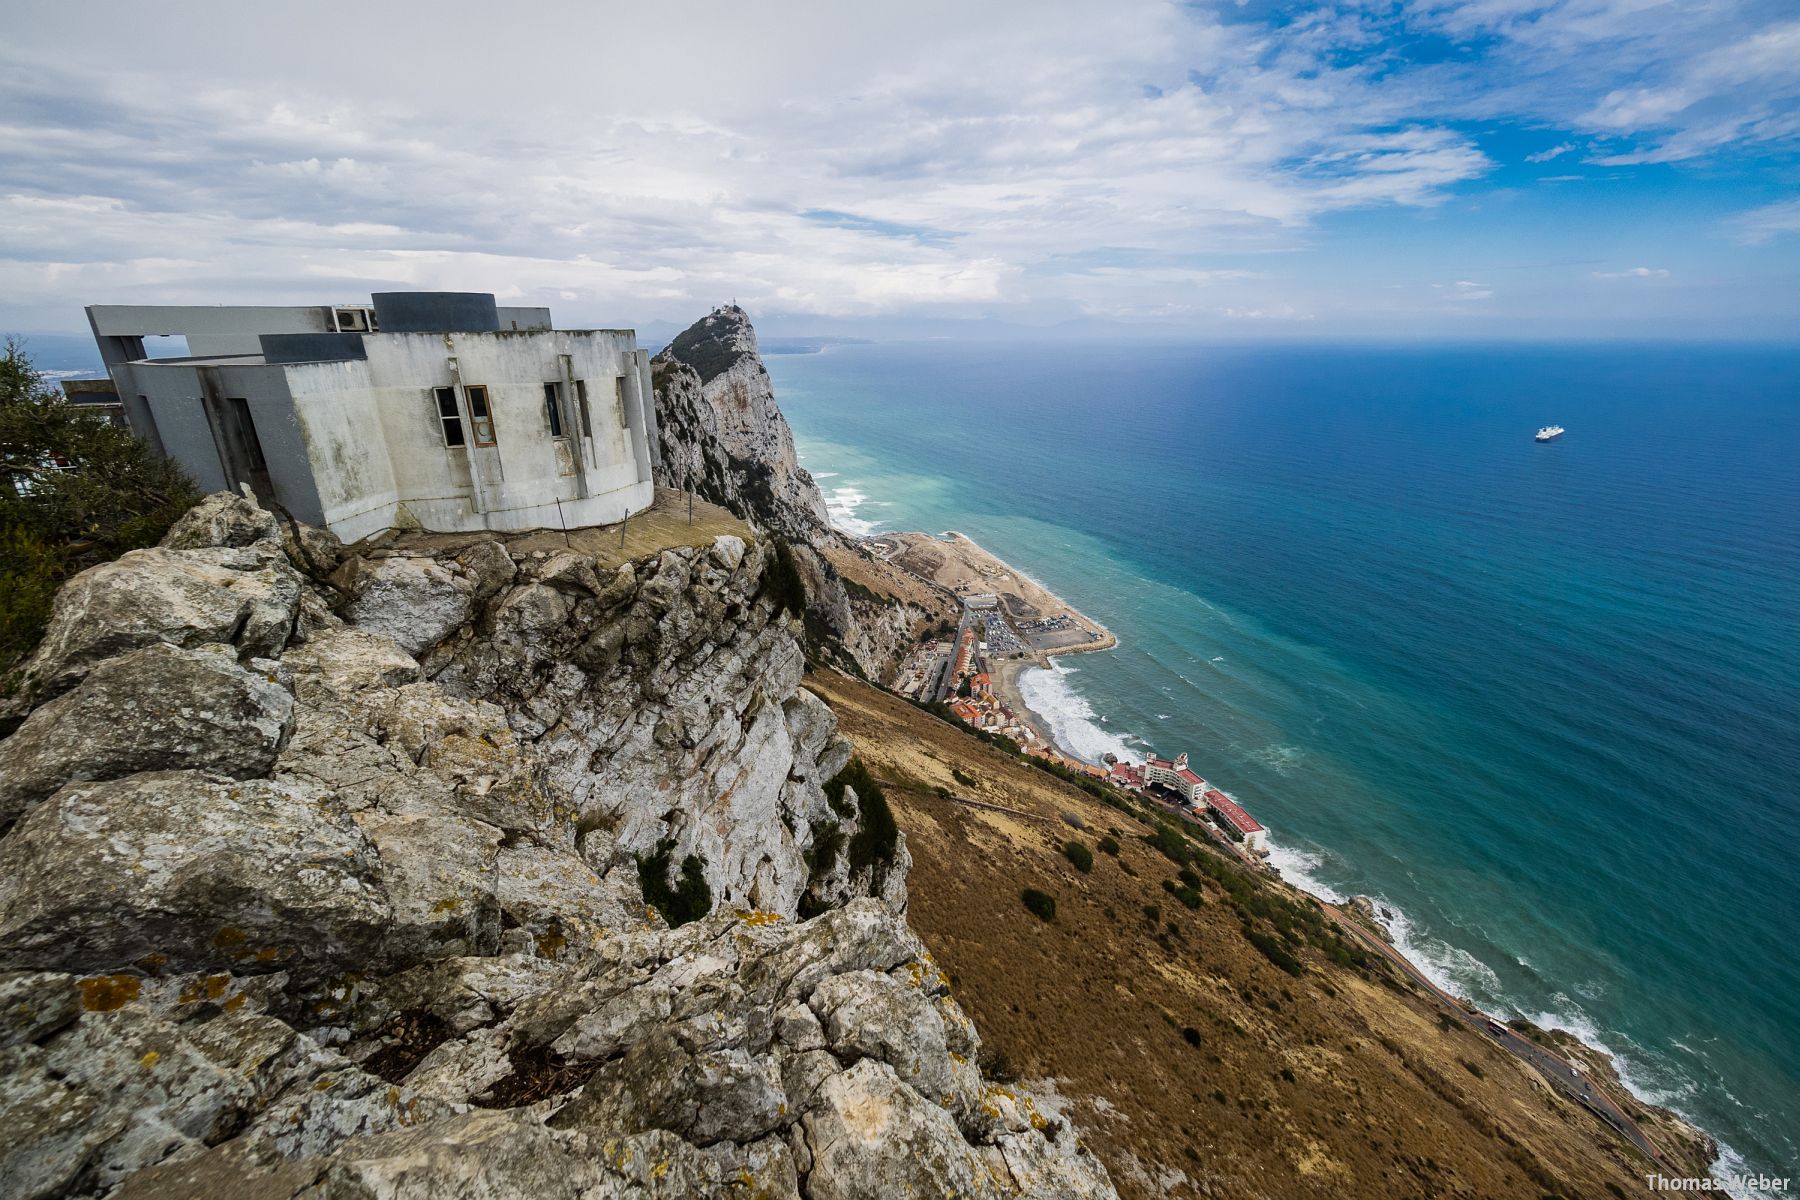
x=1556 y=1070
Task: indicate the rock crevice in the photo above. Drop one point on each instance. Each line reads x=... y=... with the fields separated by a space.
x=321 y=875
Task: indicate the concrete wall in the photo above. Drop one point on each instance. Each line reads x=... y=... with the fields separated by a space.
x=520 y=320
x=357 y=443
x=208 y=329
x=177 y=404
x=526 y=480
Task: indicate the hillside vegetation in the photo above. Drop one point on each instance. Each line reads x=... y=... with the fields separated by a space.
x=1212 y=1031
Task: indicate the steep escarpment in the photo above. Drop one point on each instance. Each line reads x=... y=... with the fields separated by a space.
x=461 y=865
x=723 y=438
x=1214 y=1033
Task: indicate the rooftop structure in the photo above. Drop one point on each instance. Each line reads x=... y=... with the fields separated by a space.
x=1235 y=821
x=435 y=410
x=1175 y=776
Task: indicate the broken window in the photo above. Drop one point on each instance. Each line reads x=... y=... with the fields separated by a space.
x=581 y=402
x=553 y=408
x=253 y=451
x=479 y=414
x=448 y=414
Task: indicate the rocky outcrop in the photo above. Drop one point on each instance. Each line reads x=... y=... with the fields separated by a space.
x=723 y=438
x=326 y=875
x=722 y=433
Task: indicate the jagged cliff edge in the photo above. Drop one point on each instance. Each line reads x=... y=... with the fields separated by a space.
x=323 y=873
x=724 y=438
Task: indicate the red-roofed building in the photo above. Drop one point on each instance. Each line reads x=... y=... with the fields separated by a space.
x=1240 y=825
x=1127 y=776
x=1176 y=777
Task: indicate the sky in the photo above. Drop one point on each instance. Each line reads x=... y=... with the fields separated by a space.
x=1364 y=169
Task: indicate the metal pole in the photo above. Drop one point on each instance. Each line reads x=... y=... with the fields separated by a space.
x=562 y=520
x=622 y=525
x=690 y=508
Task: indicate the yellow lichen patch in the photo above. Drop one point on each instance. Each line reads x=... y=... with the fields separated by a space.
x=756 y=918
x=267 y=954
x=149 y=1060
x=230 y=937
x=448 y=904
x=325 y=1083
x=957 y=1058
x=153 y=961
x=550 y=943
x=660 y=1169
x=104 y=993
x=235 y=1003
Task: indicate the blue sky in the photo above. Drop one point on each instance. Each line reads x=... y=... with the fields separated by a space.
x=1372 y=168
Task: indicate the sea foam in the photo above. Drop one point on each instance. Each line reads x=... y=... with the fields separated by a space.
x=841 y=505
x=1072 y=720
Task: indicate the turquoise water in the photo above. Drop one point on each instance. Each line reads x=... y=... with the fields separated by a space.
x=1543 y=701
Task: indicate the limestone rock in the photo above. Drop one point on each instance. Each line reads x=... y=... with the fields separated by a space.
x=204 y=872
x=416 y=601
x=222 y=519
x=158 y=708
x=246 y=597
x=870 y=1136
x=34 y=1004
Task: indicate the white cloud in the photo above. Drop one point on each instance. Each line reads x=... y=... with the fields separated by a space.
x=1464 y=290
x=1634 y=273
x=837 y=160
x=1765 y=224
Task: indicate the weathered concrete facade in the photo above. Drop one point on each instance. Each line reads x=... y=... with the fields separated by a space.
x=437 y=410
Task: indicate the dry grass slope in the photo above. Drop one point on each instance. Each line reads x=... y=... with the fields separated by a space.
x=1198 y=1066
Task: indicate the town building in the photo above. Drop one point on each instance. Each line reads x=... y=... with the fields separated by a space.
x=434 y=410
x=1239 y=825
x=1175 y=777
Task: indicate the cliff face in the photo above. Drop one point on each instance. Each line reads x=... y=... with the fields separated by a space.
x=723 y=435
x=724 y=439
x=352 y=874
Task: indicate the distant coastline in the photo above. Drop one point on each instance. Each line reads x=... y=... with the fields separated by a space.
x=1602 y=1089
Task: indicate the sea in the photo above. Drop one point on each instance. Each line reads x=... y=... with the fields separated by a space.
x=1540 y=701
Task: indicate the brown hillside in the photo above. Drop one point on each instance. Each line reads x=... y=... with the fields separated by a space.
x=1196 y=1064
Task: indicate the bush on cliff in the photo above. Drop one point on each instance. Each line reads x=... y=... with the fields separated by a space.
x=687 y=900
x=877 y=837
x=1041 y=905
x=782 y=582
x=74 y=491
x=1080 y=855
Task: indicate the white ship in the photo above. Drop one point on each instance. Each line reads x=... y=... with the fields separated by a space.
x=1550 y=433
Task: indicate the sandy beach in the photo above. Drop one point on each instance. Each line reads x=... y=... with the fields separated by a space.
x=1044 y=623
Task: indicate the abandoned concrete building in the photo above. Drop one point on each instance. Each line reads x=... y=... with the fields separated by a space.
x=434 y=410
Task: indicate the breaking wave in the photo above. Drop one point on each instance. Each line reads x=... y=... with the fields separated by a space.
x=842 y=504
x=1072 y=720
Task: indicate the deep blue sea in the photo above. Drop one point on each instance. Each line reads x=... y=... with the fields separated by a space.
x=1542 y=701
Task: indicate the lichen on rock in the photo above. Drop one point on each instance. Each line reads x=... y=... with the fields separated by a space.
x=322 y=878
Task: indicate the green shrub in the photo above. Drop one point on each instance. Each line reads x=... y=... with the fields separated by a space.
x=75 y=491
x=1191 y=1036
x=878 y=835
x=781 y=581
x=1041 y=905
x=1109 y=845
x=967 y=781
x=1273 y=950
x=1080 y=855
x=1189 y=897
x=688 y=900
